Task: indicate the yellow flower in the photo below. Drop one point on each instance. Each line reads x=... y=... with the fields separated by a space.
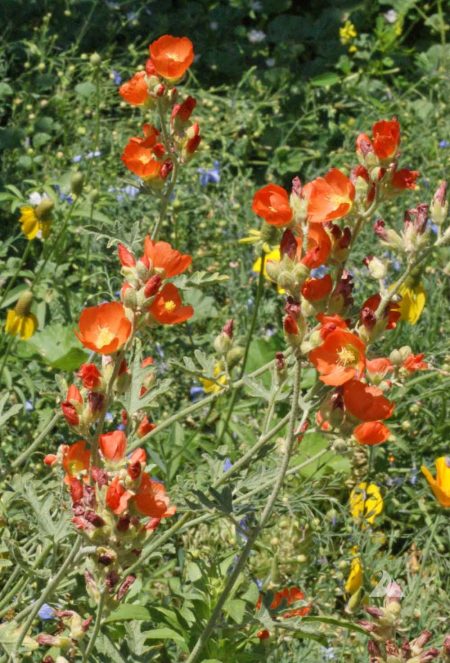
x=212 y=387
x=441 y=485
x=36 y=220
x=412 y=302
x=19 y=320
x=355 y=577
x=347 y=32
x=366 y=502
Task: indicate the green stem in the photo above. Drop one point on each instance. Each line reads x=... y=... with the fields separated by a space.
x=34 y=445
x=267 y=512
x=54 y=246
x=16 y=273
x=197 y=406
x=97 y=626
x=247 y=348
x=9 y=346
x=51 y=586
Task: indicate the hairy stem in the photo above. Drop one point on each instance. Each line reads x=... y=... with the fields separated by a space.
x=210 y=625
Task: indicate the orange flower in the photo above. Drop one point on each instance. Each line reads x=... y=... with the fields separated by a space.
x=167 y=307
x=90 y=376
x=340 y=358
x=379 y=366
x=117 y=497
x=405 y=179
x=141 y=155
x=365 y=402
x=76 y=458
x=171 y=56
x=105 y=328
x=391 y=312
x=386 y=138
x=329 y=323
x=318 y=246
x=286 y=597
x=70 y=407
x=441 y=485
x=316 y=289
x=371 y=433
x=135 y=91
x=113 y=445
x=272 y=204
x=329 y=197
x=145 y=427
x=163 y=256
x=152 y=500
x=415 y=363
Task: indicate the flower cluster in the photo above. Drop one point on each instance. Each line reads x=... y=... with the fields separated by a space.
x=116 y=503
x=153 y=155
x=318 y=224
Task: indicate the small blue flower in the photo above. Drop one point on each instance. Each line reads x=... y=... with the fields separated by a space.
x=243 y=528
x=444 y=143
x=109 y=417
x=77 y=158
x=319 y=272
x=159 y=350
x=227 y=465
x=259 y=584
x=116 y=77
x=328 y=653
x=29 y=407
x=209 y=176
x=46 y=612
x=256 y=36
x=432 y=226
x=196 y=392
x=65 y=197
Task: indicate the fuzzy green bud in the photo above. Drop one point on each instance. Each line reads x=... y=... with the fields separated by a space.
x=76 y=183
x=44 y=209
x=234 y=356
x=95 y=60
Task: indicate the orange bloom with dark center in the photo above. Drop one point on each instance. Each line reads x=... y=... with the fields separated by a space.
x=316 y=289
x=271 y=203
x=329 y=324
x=167 y=307
x=152 y=500
x=105 y=328
x=318 y=246
x=284 y=598
x=163 y=256
x=113 y=445
x=366 y=402
x=171 y=56
x=135 y=91
x=76 y=458
x=391 y=312
x=386 y=138
x=329 y=197
x=371 y=433
x=405 y=179
x=340 y=358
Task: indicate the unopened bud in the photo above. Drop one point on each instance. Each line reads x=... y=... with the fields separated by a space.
x=234 y=356
x=273 y=269
x=76 y=183
x=287 y=280
x=94 y=195
x=44 y=209
x=153 y=285
x=22 y=308
x=222 y=343
x=377 y=268
x=439 y=205
x=95 y=59
x=142 y=270
x=129 y=298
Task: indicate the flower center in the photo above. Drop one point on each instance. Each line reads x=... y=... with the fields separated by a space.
x=105 y=337
x=170 y=306
x=348 y=355
x=75 y=466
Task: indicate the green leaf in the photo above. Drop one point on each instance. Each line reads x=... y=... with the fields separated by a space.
x=341 y=623
x=5 y=90
x=40 y=139
x=85 y=89
x=166 y=634
x=235 y=608
x=325 y=80
x=59 y=347
x=128 y=611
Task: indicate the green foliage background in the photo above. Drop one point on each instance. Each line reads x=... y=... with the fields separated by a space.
x=279 y=95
